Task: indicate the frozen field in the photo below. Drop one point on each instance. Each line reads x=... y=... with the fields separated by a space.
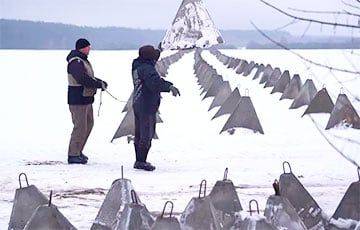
x=35 y=129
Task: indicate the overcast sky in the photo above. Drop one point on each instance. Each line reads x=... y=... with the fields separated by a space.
x=158 y=14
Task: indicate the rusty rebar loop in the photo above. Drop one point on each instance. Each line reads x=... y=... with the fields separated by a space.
x=250 y=206
x=286 y=163
x=122 y=172
x=50 y=198
x=225 y=173
x=134 y=197
x=203 y=183
x=26 y=179
x=171 y=210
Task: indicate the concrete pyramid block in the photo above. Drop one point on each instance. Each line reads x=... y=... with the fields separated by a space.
x=282 y=83
x=244 y=116
x=128 y=104
x=166 y=223
x=293 y=89
x=321 y=103
x=252 y=65
x=305 y=96
x=200 y=213
x=349 y=207
x=127 y=126
x=282 y=214
x=274 y=77
x=254 y=221
x=343 y=112
x=48 y=217
x=224 y=196
x=134 y=216
x=214 y=87
x=266 y=74
x=305 y=205
x=27 y=200
x=241 y=67
x=230 y=104
x=259 y=71
x=221 y=96
x=114 y=203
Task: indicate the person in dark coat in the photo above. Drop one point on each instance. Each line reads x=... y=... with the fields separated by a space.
x=81 y=90
x=148 y=85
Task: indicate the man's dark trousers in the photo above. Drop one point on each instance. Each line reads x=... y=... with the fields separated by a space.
x=145 y=124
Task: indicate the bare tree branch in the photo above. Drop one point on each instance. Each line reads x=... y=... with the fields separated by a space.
x=294 y=21
x=351 y=13
x=345 y=12
x=356 y=98
x=351 y=5
x=348 y=139
x=306 y=30
x=335 y=24
x=302 y=57
x=333 y=145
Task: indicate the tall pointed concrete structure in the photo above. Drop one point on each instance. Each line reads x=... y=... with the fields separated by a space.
x=192 y=27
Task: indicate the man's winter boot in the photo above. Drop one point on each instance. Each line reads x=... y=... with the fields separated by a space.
x=77 y=160
x=144 y=166
x=84 y=156
x=150 y=165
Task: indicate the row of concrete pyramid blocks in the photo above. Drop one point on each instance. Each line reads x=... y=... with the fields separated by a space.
x=305 y=94
x=127 y=125
x=241 y=109
x=292 y=207
x=163 y=65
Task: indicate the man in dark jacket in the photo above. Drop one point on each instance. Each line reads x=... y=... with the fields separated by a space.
x=81 y=90
x=146 y=101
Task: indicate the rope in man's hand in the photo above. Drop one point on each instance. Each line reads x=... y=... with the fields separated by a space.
x=111 y=95
x=115 y=98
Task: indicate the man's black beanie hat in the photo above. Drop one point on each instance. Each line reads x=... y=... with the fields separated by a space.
x=81 y=43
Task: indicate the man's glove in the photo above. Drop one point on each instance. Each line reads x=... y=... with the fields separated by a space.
x=104 y=85
x=175 y=91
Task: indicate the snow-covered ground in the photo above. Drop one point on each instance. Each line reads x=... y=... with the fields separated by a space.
x=35 y=127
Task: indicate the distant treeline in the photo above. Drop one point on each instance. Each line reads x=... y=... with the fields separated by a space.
x=20 y=34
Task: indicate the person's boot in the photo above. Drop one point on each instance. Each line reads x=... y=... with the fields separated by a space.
x=76 y=160
x=84 y=156
x=150 y=165
x=144 y=166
